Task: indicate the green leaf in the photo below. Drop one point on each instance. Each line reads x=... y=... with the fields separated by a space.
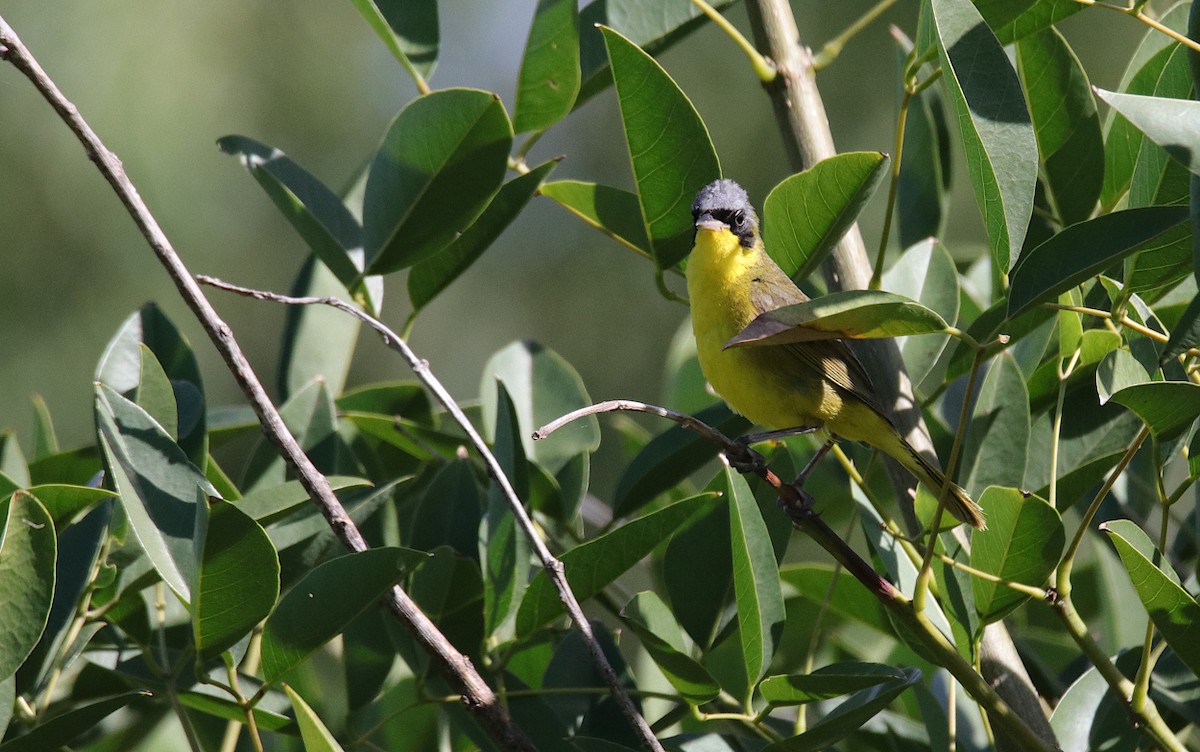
x=1185 y=334
x=320 y=605
x=27 y=577
x=220 y=707
x=992 y=120
x=159 y=488
x=318 y=341
x=799 y=232
x=653 y=27
x=995 y=448
x=404 y=399
x=237 y=582
x=1022 y=543
x=155 y=394
x=1013 y=20
x=503 y=547
x=849 y=314
x=1166 y=407
x=1081 y=251
x=1174 y=612
x=543 y=387
x=1066 y=124
x=755 y=578
x=669 y=458
x=316 y=212
x=925 y=273
x=312 y=418
x=63 y=729
x=669 y=147
x=120 y=368
x=441 y=162
x=698 y=572
x=314 y=733
x=1170 y=123
x=45 y=443
x=269 y=504
x=1123 y=143
x=66 y=502
x=850 y=715
x=838 y=592
x=1157 y=178
x=449 y=512
x=923 y=189
x=654 y=624
x=594 y=564
x=1090 y=716
x=613 y=211
x=430 y=277
x=826 y=683
x=12 y=459
x=1118 y=370
x=409 y=28
x=550 y=76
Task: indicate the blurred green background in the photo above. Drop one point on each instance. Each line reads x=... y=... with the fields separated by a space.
x=161 y=81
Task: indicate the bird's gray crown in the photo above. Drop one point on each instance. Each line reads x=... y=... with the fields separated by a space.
x=727 y=202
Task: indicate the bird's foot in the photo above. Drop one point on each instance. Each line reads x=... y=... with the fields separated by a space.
x=799 y=508
x=744 y=459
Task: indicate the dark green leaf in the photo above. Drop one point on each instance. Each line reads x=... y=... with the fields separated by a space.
x=613 y=211
x=1065 y=122
x=698 y=572
x=550 y=77
x=826 y=683
x=1086 y=249
x=993 y=122
x=995 y=446
x=923 y=190
x=268 y=505
x=1014 y=19
x=409 y=28
x=442 y=160
x=544 y=387
x=1186 y=332
x=312 y=418
x=838 y=592
x=120 y=368
x=327 y=599
x=430 y=277
x=407 y=399
x=1166 y=407
x=654 y=624
x=669 y=147
x=755 y=578
x=159 y=488
x=799 y=232
x=503 y=546
x=316 y=212
x=238 y=579
x=63 y=729
x=27 y=574
x=847 y=717
x=593 y=565
x=220 y=707
x=1174 y=612
x=1022 y=543
x=1118 y=370
x=926 y=274
x=449 y=512
x=670 y=458
x=1090 y=716
x=849 y=314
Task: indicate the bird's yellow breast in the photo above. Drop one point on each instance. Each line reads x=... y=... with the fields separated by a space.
x=762 y=383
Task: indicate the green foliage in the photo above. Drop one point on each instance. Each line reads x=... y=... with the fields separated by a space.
x=176 y=570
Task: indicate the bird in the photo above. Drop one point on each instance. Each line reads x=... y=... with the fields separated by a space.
x=817 y=385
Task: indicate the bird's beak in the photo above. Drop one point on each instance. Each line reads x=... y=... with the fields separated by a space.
x=706 y=222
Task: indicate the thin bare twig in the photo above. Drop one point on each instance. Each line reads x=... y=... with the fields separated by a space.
x=477 y=695
x=554 y=567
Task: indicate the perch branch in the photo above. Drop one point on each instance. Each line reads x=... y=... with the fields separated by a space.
x=477 y=695
x=798 y=507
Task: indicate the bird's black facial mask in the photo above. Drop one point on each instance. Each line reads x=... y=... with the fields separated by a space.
x=724 y=201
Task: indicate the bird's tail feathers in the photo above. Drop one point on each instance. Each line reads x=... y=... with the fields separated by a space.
x=958 y=503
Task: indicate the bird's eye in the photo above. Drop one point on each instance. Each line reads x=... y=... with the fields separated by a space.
x=739 y=220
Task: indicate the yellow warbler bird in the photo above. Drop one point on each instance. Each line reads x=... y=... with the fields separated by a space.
x=731 y=280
